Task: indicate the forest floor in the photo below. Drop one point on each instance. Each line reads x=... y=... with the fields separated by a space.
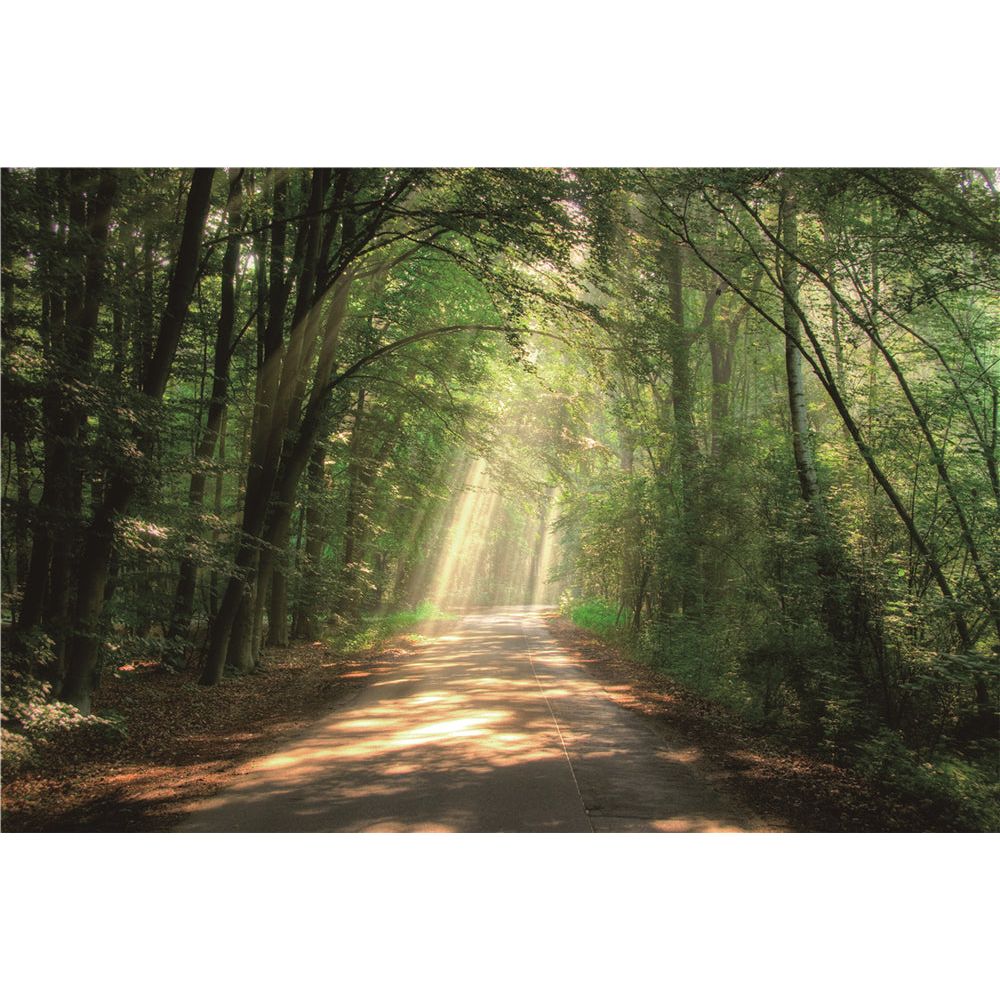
x=185 y=743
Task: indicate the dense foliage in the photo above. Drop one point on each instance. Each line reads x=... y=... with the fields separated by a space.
x=794 y=505
x=760 y=409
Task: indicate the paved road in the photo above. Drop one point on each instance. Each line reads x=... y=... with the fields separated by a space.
x=490 y=727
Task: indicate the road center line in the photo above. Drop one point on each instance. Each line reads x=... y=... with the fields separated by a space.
x=548 y=705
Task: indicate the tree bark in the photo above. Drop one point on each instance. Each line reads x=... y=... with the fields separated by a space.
x=185 y=591
x=801 y=445
x=50 y=577
x=682 y=396
x=94 y=568
x=305 y=625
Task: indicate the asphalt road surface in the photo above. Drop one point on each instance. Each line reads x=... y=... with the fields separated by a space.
x=490 y=727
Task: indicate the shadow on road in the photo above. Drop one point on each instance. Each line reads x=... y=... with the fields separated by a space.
x=490 y=727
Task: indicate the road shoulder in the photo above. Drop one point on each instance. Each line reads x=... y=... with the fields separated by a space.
x=185 y=743
x=787 y=787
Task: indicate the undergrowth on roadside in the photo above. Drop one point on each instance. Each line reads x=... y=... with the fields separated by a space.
x=33 y=724
x=37 y=728
x=757 y=685
x=374 y=629
x=596 y=616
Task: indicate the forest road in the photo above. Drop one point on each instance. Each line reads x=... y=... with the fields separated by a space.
x=489 y=727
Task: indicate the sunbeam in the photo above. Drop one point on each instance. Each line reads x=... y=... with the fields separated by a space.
x=496 y=548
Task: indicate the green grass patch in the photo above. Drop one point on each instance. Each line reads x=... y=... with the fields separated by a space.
x=373 y=630
x=595 y=616
x=695 y=656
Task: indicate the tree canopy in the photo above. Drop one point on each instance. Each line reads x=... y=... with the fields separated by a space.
x=742 y=421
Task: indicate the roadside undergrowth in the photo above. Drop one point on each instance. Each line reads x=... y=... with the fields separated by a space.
x=373 y=630
x=876 y=784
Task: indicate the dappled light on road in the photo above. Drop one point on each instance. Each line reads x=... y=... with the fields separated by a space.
x=490 y=727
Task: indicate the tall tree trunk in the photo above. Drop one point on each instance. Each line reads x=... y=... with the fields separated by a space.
x=805 y=465
x=54 y=555
x=838 y=594
x=682 y=396
x=281 y=483
x=17 y=425
x=184 y=594
x=94 y=567
x=220 y=479
x=305 y=625
x=243 y=648
x=277 y=615
x=82 y=302
x=354 y=465
x=50 y=190
x=862 y=445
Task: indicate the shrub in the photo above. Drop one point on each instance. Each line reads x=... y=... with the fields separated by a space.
x=702 y=656
x=958 y=793
x=36 y=725
x=374 y=629
x=596 y=616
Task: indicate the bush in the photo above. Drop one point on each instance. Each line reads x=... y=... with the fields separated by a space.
x=25 y=654
x=787 y=677
x=36 y=725
x=374 y=629
x=702 y=656
x=594 y=615
x=959 y=794
x=17 y=753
